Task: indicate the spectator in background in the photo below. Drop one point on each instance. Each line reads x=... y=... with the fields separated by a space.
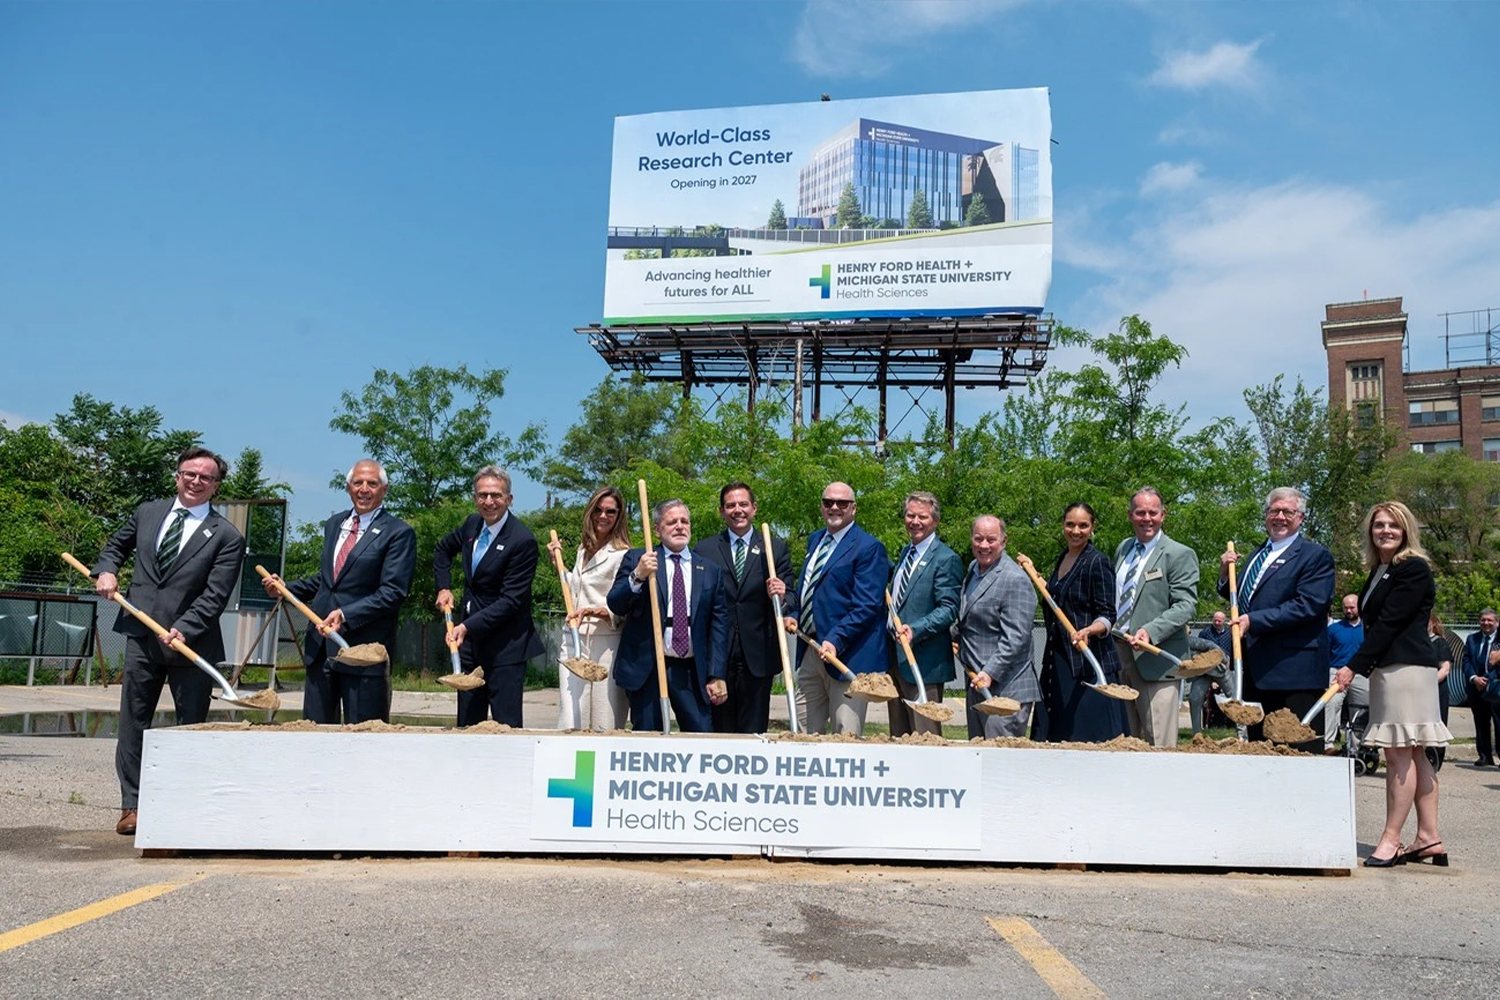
x=1344 y=637
x=1478 y=649
x=1215 y=635
x=1445 y=670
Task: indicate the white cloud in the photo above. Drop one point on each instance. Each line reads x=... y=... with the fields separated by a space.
x=851 y=38
x=1224 y=65
x=1240 y=276
x=1166 y=178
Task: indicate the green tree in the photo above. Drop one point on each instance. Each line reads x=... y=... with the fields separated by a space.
x=849 y=213
x=246 y=480
x=978 y=213
x=1453 y=497
x=622 y=421
x=430 y=427
x=918 y=215
x=778 y=216
x=125 y=456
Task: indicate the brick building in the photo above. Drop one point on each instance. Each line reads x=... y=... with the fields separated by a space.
x=1442 y=410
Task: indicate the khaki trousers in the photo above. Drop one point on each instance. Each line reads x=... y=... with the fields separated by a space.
x=820 y=699
x=1153 y=716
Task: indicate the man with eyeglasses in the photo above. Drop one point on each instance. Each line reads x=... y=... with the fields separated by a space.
x=840 y=603
x=494 y=629
x=187 y=563
x=369 y=556
x=1284 y=593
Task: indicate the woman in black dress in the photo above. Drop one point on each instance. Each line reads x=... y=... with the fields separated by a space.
x=1083 y=585
x=1398 y=657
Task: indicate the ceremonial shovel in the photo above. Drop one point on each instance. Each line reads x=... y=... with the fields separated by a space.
x=364 y=655
x=1236 y=710
x=577 y=663
x=1119 y=692
x=260 y=699
x=786 y=661
x=923 y=707
x=993 y=704
x=661 y=654
x=457 y=679
x=852 y=677
x=1194 y=666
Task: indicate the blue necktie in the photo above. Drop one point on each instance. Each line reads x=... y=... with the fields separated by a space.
x=1252 y=574
x=814 y=574
x=481 y=545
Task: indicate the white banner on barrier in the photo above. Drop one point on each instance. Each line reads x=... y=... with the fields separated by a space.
x=705 y=791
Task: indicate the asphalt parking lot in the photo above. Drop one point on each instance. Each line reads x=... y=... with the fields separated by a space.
x=86 y=915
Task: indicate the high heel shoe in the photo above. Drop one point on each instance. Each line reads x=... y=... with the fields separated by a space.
x=1415 y=855
x=1395 y=859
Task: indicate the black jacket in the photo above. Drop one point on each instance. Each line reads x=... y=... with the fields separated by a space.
x=1395 y=617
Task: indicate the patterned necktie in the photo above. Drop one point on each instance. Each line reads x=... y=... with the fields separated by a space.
x=1126 y=603
x=903 y=574
x=348 y=546
x=739 y=558
x=814 y=574
x=1252 y=574
x=682 y=637
x=482 y=545
x=166 y=553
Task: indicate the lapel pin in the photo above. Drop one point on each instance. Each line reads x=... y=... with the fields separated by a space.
x=207 y=533
x=374 y=531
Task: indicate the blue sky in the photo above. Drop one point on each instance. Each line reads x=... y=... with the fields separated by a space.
x=233 y=212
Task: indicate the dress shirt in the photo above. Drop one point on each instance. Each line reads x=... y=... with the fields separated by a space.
x=1140 y=567
x=921 y=554
x=1276 y=549
x=837 y=537
x=358 y=523
x=189 y=525
x=665 y=562
x=494 y=532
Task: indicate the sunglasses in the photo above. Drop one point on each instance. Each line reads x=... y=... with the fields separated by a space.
x=829 y=504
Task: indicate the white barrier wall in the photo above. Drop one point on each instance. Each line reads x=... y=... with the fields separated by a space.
x=527 y=792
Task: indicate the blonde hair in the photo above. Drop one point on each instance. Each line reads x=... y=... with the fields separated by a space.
x=1411 y=541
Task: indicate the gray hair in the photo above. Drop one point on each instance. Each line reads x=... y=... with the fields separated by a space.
x=385 y=480
x=492 y=472
x=1488 y=611
x=922 y=496
x=989 y=517
x=1150 y=491
x=1288 y=493
x=660 y=510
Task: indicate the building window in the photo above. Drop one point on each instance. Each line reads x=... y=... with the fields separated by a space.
x=1364 y=383
x=1491 y=408
x=1363 y=373
x=1433 y=411
x=1433 y=447
x=1492 y=449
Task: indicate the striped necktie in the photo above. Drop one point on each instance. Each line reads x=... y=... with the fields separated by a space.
x=1126 y=603
x=166 y=553
x=1252 y=573
x=903 y=574
x=739 y=559
x=814 y=574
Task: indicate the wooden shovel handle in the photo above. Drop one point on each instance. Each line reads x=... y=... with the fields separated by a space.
x=141 y=616
x=562 y=574
x=911 y=658
x=661 y=653
x=286 y=595
x=1041 y=585
x=786 y=660
x=815 y=644
x=448 y=630
x=1234 y=608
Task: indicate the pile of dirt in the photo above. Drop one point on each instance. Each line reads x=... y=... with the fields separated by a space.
x=586 y=668
x=1241 y=714
x=999 y=705
x=1120 y=744
x=464 y=682
x=932 y=710
x=366 y=654
x=1284 y=727
x=1119 y=692
x=873 y=687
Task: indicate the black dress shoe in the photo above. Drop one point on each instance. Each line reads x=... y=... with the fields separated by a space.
x=1395 y=859
x=1485 y=762
x=1416 y=857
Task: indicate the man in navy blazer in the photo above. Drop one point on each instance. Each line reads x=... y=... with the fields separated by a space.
x=369 y=556
x=493 y=627
x=840 y=602
x=1284 y=595
x=187 y=565
x=696 y=650
x=1476 y=662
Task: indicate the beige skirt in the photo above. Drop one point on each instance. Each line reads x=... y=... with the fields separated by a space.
x=1404 y=708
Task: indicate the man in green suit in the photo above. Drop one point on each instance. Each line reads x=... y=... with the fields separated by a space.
x=924 y=590
x=1156 y=593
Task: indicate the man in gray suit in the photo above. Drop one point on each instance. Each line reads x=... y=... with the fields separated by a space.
x=995 y=613
x=924 y=590
x=1156 y=593
x=186 y=567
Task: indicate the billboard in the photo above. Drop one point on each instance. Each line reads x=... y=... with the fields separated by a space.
x=935 y=205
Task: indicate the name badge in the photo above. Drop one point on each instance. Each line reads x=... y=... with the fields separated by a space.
x=1154 y=574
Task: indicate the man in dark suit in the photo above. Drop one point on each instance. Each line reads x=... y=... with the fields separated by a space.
x=368 y=559
x=697 y=649
x=739 y=551
x=1284 y=594
x=840 y=602
x=1477 y=649
x=494 y=628
x=924 y=588
x=187 y=566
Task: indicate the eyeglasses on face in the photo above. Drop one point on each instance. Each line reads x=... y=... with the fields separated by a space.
x=490 y=496
x=1283 y=512
x=832 y=503
x=196 y=477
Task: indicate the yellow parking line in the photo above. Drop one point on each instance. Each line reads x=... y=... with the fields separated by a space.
x=1061 y=976
x=82 y=915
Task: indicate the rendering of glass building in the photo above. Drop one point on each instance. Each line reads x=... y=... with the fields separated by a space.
x=888 y=164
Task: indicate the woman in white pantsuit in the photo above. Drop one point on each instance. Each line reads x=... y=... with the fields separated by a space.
x=599 y=705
